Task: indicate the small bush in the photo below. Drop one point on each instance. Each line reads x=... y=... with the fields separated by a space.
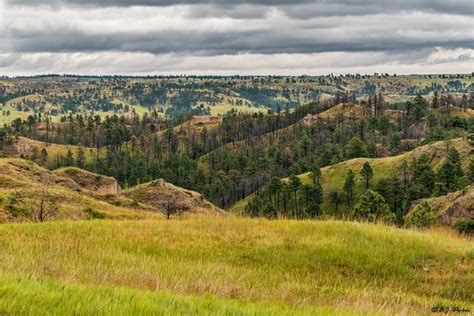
x=134 y=204
x=465 y=226
x=93 y=214
x=16 y=211
x=71 y=172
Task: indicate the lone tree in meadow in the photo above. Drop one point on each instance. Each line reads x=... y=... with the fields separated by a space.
x=367 y=173
x=173 y=206
x=41 y=206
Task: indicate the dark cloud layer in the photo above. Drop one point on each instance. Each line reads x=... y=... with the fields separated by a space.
x=410 y=30
x=347 y=6
x=217 y=43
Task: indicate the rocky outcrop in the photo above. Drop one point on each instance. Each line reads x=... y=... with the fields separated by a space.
x=90 y=181
x=162 y=195
x=452 y=207
x=16 y=172
x=462 y=207
x=16 y=149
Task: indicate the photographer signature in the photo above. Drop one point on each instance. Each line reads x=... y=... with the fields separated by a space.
x=446 y=309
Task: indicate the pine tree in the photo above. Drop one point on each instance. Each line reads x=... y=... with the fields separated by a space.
x=69 y=160
x=422 y=216
x=423 y=180
x=356 y=148
x=315 y=172
x=367 y=173
x=274 y=188
x=450 y=171
x=80 y=157
x=335 y=198
x=313 y=197
x=373 y=208
x=349 y=186
x=44 y=154
x=295 y=184
x=471 y=170
x=435 y=101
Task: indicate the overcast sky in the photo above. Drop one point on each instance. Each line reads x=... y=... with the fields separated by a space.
x=236 y=36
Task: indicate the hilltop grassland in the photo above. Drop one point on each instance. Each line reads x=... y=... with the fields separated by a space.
x=229 y=265
x=23 y=146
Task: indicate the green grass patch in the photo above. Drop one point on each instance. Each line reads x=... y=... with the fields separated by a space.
x=294 y=264
x=45 y=296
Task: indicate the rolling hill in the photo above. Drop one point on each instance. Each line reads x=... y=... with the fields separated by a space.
x=80 y=194
x=22 y=147
x=333 y=176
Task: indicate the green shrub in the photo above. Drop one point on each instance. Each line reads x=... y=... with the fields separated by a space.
x=464 y=226
x=134 y=204
x=423 y=216
x=16 y=211
x=93 y=214
x=71 y=172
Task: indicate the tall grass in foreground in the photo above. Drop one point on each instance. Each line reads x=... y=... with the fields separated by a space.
x=45 y=296
x=241 y=264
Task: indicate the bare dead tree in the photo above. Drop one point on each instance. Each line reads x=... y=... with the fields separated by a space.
x=42 y=208
x=173 y=206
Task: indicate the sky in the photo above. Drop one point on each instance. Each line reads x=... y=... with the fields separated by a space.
x=227 y=37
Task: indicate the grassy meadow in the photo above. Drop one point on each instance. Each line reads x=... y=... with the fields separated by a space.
x=218 y=265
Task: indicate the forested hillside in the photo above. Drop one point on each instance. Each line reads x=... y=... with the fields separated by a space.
x=355 y=143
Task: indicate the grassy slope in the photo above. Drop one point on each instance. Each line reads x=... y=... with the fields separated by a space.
x=229 y=265
x=54 y=150
x=333 y=177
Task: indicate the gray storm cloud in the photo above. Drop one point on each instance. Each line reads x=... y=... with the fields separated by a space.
x=343 y=7
x=194 y=31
